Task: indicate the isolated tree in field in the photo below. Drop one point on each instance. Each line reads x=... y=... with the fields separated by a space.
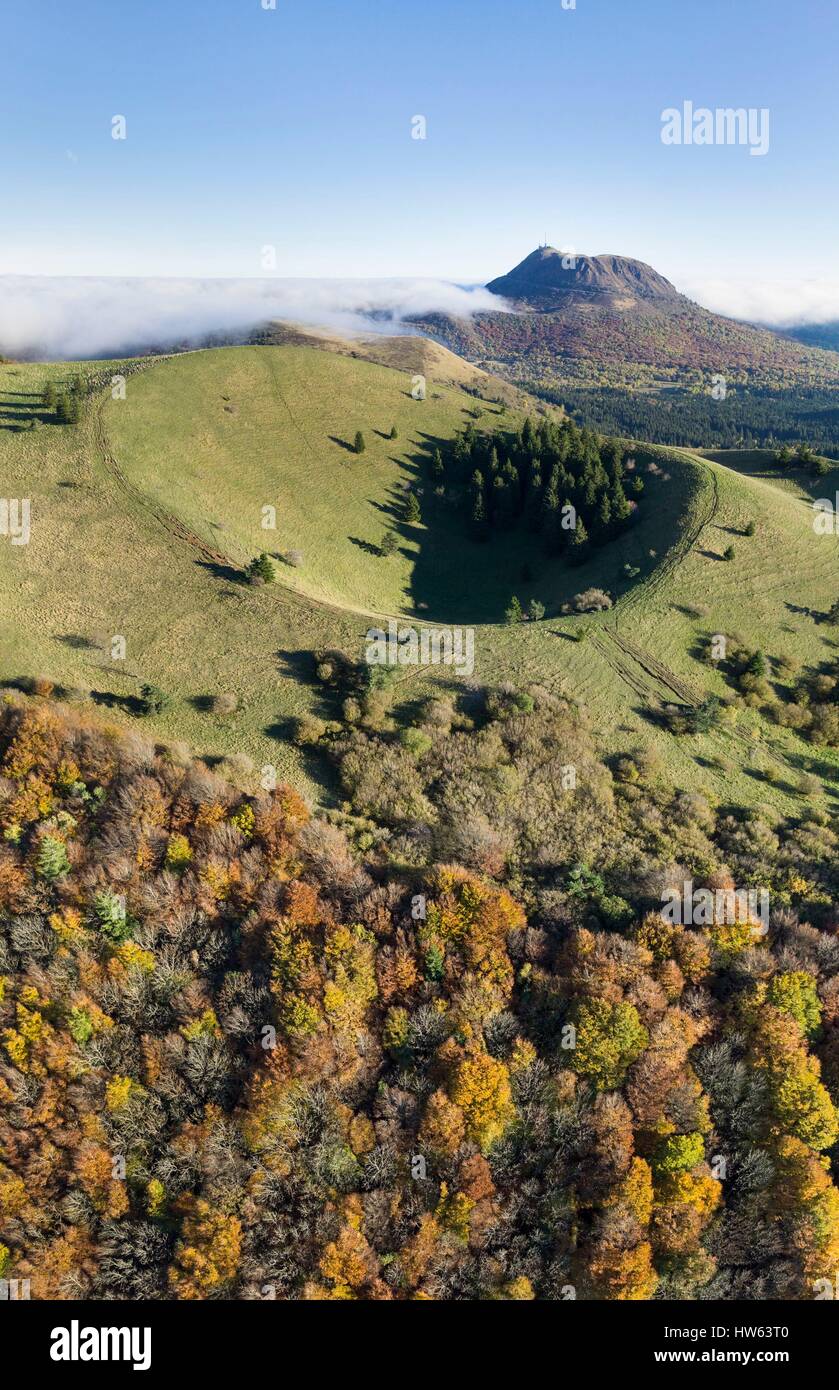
x=412 y=510
x=390 y=543
x=706 y=716
x=513 y=613
x=394 y=433
x=728 y=553
x=154 y=700
x=749 y=529
x=833 y=614
x=261 y=569
x=359 y=444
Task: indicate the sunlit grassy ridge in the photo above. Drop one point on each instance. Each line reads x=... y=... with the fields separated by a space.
x=144 y=514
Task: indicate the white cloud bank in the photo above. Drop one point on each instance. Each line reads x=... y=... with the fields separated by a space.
x=779 y=303
x=55 y=318
x=52 y=318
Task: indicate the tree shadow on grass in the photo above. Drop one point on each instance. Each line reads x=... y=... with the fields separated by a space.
x=78 y=642
x=19 y=409
x=130 y=704
x=366 y=546
x=227 y=572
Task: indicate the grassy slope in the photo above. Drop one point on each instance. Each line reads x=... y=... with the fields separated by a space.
x=101 y=562
x=177 y=438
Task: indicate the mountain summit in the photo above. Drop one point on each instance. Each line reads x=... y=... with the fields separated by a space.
x=545 y=278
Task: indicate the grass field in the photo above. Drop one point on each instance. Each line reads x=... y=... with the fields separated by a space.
x=144 y=513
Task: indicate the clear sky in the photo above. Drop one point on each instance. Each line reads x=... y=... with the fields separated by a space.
x=291 y=127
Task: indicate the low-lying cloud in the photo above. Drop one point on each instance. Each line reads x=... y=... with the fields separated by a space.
x=778 y=304
x=55 y=318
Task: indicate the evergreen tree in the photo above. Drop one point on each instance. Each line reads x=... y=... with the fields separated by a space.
x=621 y=510
x=534 y=507
x=412 y=510
x=359 y=444
x=579 y=547
x=756 y=664
x=50 y=396
x=603 y=519
x=261 y=569
x=67 y=409
x=479 y=514
x=52 y=861
x=706 y=716
x=394 y=433
x=389 y=543
x=513 y=613
x=497 y=502
x=154 y=700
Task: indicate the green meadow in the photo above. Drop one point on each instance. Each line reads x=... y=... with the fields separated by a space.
x=145 y=513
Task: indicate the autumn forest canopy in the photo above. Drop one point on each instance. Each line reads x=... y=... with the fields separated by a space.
x=451 y=1051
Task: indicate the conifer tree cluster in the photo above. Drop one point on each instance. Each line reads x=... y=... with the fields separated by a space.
x=65 y=405
x=561 y=482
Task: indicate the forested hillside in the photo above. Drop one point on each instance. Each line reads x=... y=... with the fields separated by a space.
x=245 y=1056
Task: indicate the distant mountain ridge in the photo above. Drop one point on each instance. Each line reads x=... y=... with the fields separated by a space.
x=610 y=321
x=545 y=278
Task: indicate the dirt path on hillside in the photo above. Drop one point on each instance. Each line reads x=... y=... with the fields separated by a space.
x=170 y=523
x=680 y=551
x=650 y=678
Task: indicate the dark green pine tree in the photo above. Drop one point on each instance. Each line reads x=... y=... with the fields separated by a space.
x=67 y=409
x=438 y=470
x=621 y=510
x=611 y=456
x=589 y=488
x=550 y=512
x=510 y=474
x=579 y=548
x=497 y=502
x=533 y=513
x=479 y=513
x=602 y=519
x=50 y=396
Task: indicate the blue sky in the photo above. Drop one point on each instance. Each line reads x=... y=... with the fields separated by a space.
x=292 y=127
